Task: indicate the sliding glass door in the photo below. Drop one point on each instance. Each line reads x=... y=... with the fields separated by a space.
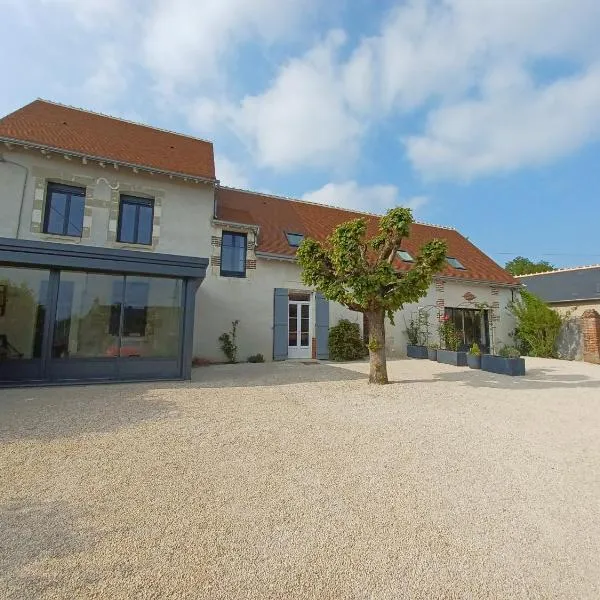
x=76 y=325
x=472 y=326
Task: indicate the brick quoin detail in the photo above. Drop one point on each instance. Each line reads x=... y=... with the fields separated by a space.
x=590 y=322
x=439 y=286
x=495 y=291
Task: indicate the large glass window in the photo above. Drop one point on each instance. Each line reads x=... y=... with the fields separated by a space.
x=472 y=326
x=64 y=211
x=136 y=217
x=114 y=315
x=23 y=307
x=233 y=254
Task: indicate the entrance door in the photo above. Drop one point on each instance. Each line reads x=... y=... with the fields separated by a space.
x=299 y=329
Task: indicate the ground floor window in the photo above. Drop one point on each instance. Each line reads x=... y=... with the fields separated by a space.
x=50 y=319
x=472 y=326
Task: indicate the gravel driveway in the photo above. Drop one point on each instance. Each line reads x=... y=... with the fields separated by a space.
x=301 y=481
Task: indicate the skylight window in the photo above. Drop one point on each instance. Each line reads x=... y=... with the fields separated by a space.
x=454 y=262
x=405 y=256
x=294 y=239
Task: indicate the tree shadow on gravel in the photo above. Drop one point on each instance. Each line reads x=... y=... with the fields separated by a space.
x=534 y=379
x=57 y=412
x=32 y=531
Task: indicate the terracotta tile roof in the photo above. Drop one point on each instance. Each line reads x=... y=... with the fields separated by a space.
x=276 y=216
x=79 y=131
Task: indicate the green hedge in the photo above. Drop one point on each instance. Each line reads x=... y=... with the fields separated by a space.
x=345 y=341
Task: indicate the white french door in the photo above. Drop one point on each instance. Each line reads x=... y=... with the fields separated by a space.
x=299 y=329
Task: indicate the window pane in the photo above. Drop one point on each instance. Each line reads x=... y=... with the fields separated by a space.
x=56 y=216
x=127 y=223
x=23 y=307
x=144 y=225
x=88 y=311
x=233 y=253
x=152 y=317
x=76 y=210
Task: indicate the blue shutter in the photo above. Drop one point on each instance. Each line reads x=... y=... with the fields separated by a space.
x=280 y=324
x=322 y=325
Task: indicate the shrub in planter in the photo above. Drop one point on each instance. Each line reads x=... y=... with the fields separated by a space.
x=452 y=357
x=432 y=351
x=415 y=347
x=345 y=341
x=474 y=357
x=507 y=362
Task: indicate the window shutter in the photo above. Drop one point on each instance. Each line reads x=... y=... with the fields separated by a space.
x=322 y=326
x=280 y=324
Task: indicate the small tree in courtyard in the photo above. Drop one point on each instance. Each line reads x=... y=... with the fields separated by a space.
x=359 y=273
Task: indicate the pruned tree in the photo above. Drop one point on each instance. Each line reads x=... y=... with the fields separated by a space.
x=360 y=274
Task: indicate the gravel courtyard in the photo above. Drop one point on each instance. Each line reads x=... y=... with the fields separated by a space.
x=299 y=480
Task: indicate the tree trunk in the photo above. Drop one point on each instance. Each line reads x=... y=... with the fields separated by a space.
x=378 y=368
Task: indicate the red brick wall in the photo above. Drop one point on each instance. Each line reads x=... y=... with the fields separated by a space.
x=590 y=321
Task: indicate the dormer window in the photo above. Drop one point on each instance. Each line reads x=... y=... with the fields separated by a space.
x=454 y=262
x=405 y=256
x=294 y=239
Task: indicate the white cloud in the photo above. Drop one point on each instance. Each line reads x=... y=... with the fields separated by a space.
x=92 y=13
x=370 y=198
x=514 y=124
x=109 y=80
x=186 y=41
x=230 y=173
x=303 y=118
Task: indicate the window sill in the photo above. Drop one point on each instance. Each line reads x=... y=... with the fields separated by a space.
x=72 y=239
x=232 y=275
x=132 y=246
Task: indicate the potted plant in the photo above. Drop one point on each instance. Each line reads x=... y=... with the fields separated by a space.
x=432 y=351
x=415 y=348
x=450 y=339
x=508 y=361
x=474 y=357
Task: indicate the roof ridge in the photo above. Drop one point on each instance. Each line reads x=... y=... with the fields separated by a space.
x=561 y=270
x=129 y=121
x=312 y=203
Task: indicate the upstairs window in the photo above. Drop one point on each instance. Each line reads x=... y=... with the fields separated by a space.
x=64 y=210
x=405 y=256
x=136 y=217
x=454 y=262
x=294 y=239
x=233 y=254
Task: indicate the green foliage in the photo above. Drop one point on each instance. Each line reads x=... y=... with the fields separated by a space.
x=475 y=350
x=345 y=341
x=360 y=273
x=256 y=358
x=509 y=352
x=413 y=331
x=433 y=345
x=523 y=266
x=449 y=337
x=228 y=342
x=538 y=326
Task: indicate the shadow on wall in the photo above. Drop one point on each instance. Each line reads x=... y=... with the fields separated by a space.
x=58 y=412
x=31 y=532
x=535 y=379
x=570 y=340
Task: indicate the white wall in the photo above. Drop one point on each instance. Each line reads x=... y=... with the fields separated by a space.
x=182 y=210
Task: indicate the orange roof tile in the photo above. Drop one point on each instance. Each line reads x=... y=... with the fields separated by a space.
x=275 y=216
x=100 y=136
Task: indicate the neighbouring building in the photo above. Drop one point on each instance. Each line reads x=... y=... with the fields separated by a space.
x=575 y=292
x=122 y=257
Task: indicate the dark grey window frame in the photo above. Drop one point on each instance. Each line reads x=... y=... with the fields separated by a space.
x=287 y=235
x=458 y=266
x=136 y=201
x=226 y=273
x=59 y=257
x=70 y=191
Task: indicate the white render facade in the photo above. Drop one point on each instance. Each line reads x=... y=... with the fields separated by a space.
x=279 y=317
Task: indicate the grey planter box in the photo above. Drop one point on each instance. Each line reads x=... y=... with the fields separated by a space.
x=432 y=353
x=450 y=357
x=416 y=351
x=474 y=361
x=503 y=366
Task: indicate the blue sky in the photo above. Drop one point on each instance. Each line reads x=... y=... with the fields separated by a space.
x=483 y=115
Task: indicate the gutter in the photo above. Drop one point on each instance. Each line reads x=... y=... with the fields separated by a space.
x=271 y=256
x=104 y=159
